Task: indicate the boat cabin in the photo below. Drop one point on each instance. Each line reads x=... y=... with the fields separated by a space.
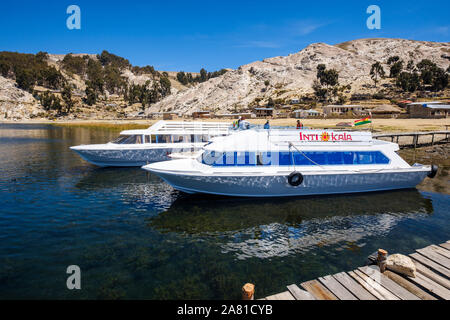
x=174 y=132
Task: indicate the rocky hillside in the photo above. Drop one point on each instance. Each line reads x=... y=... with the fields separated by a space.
x=78 y=86
x=293 y=76
x=108 y=86
x=16 y=103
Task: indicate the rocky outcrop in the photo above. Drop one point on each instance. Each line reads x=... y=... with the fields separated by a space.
x=401 y=264
x=293 y=75
x=17 y=104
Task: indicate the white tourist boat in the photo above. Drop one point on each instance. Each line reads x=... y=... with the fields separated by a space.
x=140 y=147
x=276 y=163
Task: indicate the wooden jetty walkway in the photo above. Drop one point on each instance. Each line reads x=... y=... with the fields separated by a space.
x=411 y=139
x=432 y=281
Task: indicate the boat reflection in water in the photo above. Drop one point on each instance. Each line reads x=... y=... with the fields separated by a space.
x=132 y=185
x=280 y=227
x=261 y=228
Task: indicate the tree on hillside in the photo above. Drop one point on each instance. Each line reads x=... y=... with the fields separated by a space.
x=42 y=56
x=408 y=81
x=327 y=82
x=427 y=69
x=410 y=66
x=440 y=80
x=25 y=79
x=377 y=72
x=396 y=66
x=91 y=96
x=181 y=77
x=319 y=91
x=107 y=58
x=203 y=75
x=74 y=64
x=328 y=78
x=95 y=75
x=165 y=86
x=320 y=71
x=66 y=95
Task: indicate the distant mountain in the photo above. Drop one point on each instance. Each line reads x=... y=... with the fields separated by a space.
x=292 y=76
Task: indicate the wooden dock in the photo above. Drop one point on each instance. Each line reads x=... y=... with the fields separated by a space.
x=432 y=281
x=415 y=139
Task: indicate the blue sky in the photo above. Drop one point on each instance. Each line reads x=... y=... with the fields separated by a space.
x=188 y=35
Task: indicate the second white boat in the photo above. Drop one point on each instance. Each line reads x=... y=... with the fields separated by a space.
x=140 y=147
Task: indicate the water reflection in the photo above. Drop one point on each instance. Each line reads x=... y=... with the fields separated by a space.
x=134 y=185
x=280 y=227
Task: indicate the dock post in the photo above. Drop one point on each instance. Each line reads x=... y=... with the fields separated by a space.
x=248 y=291
x=381 y=259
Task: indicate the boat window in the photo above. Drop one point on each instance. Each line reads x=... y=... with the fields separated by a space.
x=163 y=138
x=129 y=139
x=199 y=138
x=286 y=158
x=147 y=139
x=120 y=139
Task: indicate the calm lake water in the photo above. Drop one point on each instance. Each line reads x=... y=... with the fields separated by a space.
x=134 y=237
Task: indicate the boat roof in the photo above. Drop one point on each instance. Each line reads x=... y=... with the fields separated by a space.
x=183 y=127
x=260 y=139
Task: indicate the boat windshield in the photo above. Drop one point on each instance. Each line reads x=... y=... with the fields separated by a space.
x=128 y=139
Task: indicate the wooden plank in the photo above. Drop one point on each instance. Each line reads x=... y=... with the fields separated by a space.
x=440 y=250
x=300 y=294
x=336 y=288
x=285 y=296
x=430 y=254
x=354 y=287
x=366 y=286
x=431 y=275
x=376 y=286
x=411 y=287
x=281 y=296
x=431 y=286
x=318 y=290
x=374 y=273
x=431 y=264
x=445 y=245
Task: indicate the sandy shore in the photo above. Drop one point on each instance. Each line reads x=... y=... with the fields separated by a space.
x=385 y=125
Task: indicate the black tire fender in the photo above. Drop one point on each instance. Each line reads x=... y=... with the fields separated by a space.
x=433 y=171
x=295 y=179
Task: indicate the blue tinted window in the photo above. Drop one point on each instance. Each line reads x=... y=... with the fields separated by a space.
x=308 y=158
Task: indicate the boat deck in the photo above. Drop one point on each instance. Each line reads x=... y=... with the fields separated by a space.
x=432 y=281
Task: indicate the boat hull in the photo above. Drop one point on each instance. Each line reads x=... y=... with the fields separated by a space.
x=278 y=186
x=124 y=157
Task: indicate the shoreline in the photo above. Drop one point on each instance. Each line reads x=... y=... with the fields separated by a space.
x=382 y=125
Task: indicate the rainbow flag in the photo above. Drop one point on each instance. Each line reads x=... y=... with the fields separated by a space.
x=362 y=121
